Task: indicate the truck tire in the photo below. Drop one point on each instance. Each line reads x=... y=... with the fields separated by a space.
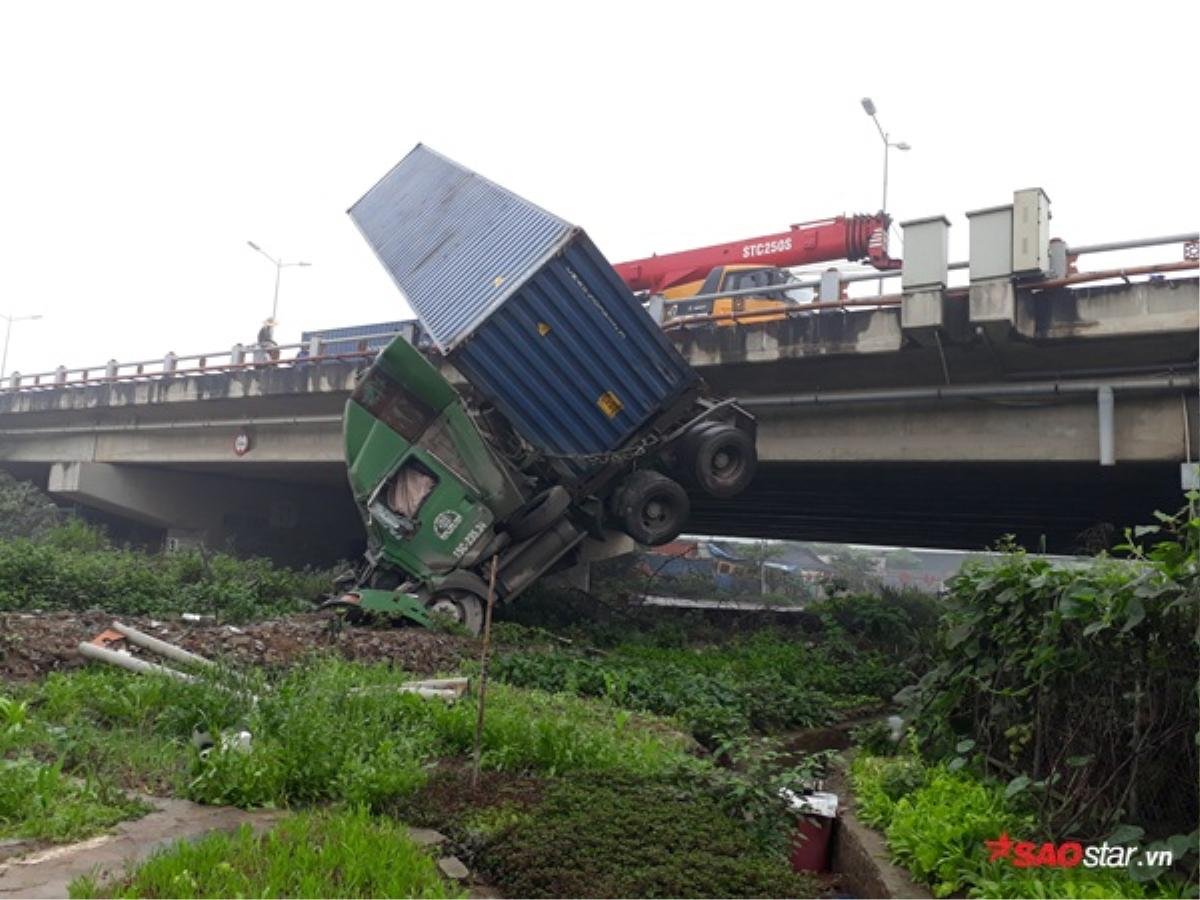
x=539 y=513
x=651 y=508
x=721 y=460
x=460 y=607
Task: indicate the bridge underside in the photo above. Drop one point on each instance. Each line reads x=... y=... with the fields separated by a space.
x=1063 y=507
x=1074 y=507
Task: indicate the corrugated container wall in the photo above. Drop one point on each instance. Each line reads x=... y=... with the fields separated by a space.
x=523 y=304
x=356 y=338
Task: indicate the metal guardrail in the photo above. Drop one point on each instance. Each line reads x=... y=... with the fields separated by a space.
x=253 y=356
x=240 y=357
x=1071 y=252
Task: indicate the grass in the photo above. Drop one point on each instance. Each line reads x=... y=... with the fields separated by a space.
x=328 y=730
x=342 y=731
x=38 y=801
x=316 y=854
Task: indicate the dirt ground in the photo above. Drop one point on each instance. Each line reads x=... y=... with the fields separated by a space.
x=35 y=644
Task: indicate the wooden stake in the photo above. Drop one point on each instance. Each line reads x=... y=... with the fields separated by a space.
x=483 y=673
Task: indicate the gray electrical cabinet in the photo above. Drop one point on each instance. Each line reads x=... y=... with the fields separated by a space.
x=1031 y=232
x=926 y=254
x=991 y=235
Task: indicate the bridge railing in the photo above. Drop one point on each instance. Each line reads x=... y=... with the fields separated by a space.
x=237 y=358
x=832 y=283
x=832 y=297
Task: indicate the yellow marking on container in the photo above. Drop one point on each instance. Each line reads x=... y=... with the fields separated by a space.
x=610 y=404
x=497 y=281
x=543 y=329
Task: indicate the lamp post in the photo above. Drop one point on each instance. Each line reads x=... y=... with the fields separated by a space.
x=869 y=107
x=280 y=265
x=9 y=319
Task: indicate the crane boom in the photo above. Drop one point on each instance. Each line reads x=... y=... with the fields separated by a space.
x=842 y=237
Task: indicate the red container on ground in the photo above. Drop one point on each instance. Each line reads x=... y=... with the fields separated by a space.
x=816 y=813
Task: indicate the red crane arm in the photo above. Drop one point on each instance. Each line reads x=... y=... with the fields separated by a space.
x=844 y=237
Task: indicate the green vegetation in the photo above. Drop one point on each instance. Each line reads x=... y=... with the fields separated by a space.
x=937 y=821
x=1061 y=706
x=38 y=801
x=24 y=510
x=762 y=682
x=72 y=566
x=339 y=731
x=1079 y=681
x=626 y=837
x=321 y=854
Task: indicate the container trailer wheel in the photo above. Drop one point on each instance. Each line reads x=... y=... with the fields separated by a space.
x=460 y=607
x=721 y=459
x=651 y=508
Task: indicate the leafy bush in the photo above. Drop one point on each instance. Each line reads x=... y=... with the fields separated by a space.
x=1083 y=678
x=73 y=567
x=321 y=854
x=629 y=837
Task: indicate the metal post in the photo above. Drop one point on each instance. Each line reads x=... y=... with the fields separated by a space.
x=887 y=148
x=1104 y=410
x=7 y=335
x=275 y=299
x=9 y=319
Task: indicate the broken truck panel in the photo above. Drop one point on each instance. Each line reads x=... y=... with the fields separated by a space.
x=524 y=305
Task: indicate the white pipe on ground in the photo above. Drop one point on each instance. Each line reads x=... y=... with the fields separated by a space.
x=162 y=648
x=133 y=664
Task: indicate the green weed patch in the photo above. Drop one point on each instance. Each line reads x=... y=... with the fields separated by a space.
x=628 y=837
x=344 y=854
x=73 y=567
x=762 y=683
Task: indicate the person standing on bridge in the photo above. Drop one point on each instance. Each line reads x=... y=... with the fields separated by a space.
x=266 y=347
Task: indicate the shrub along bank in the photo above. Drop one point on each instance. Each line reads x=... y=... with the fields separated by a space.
x=73 y=566
x=1079 y=683
x=1061 y=707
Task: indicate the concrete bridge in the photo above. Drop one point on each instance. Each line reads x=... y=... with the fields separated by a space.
x=1068 y=419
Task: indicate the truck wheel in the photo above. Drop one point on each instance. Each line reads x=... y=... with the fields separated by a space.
x=722 y=461
x=651 y=507
x=460 y=607
x=539 y=513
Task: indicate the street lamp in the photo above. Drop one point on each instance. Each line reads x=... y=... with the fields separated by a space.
x=280 y=265
x=869 y=107
x=9 y=319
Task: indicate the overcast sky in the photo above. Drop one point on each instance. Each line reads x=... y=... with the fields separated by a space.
x=142 y=145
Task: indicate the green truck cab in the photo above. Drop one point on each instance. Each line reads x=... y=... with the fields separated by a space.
x=437 y=501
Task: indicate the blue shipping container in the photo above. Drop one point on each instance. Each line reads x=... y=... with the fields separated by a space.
x=355 y=338
x=524 y=305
